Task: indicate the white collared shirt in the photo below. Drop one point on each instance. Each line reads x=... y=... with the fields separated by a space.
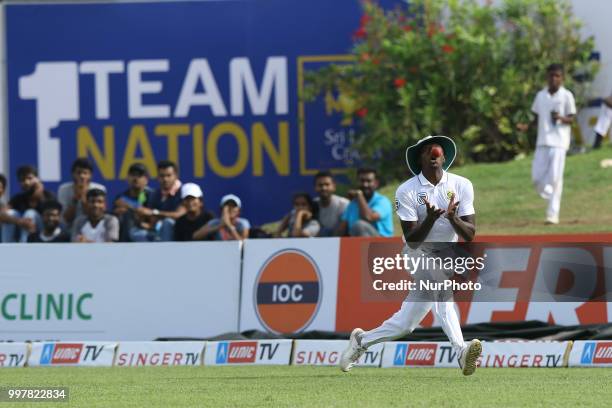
x=549 y=133
x=410 y=206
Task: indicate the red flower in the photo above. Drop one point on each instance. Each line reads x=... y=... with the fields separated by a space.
x=376 y=61
x=407 y=28
x=448 y=48
x=399 y=82
x=359 y=33
x=364 y=57
x=364 y=20
x=362 y=112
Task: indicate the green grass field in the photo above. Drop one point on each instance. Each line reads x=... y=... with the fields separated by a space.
x=317 y=387
x=506 y=202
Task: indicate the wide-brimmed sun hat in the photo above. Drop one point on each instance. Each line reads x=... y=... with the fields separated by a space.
x=413 y=153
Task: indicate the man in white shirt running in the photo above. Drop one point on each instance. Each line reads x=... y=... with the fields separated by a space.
x=433 y=206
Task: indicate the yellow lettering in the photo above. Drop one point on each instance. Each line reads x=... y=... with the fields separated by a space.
x=87 y=147
x=138 y=139
x=344 y=104
x=261 y=141
x=198 y=150
x=172 y=133
x=235 y=131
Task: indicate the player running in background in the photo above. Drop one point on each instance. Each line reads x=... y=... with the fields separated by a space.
x=433 y=206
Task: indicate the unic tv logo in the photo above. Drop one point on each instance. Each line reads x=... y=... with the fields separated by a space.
x=415 y=355
x=288 y=291
x=236 y=352
x=597 y=353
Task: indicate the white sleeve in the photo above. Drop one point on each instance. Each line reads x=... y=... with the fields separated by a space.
x=466 y=200
x=570 y=104
x=535 y=106
x=405 y=207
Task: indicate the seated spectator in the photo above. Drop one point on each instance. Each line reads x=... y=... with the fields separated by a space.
x=136 y=196
x=369 y=213
x=51 y=230
x=95 y=225
x=165 y=206
x=26 y=205
x=331 y=206
x=230 y=226
x=301 y=221
x=73 y=195
x=196 y=216
x=8 y=222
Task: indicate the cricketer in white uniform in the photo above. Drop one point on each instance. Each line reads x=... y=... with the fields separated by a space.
x=555 y=108
x=433 y=206
x=604 y=120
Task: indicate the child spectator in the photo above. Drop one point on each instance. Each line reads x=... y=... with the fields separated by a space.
x=229 y=226
x=331 y=206
x=301 y=221
x=136 y=196
x=163 y=209
x=195 y=217
x=73 y=195
x=96 y=225
x=51 y=231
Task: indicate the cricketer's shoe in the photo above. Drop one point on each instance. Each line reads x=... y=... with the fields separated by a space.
x=469 y=356
x=352 y=353
x=554 y=220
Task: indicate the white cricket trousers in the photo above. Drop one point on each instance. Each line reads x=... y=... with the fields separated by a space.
x=413 y=310
x=547 y=175
x=603 y=120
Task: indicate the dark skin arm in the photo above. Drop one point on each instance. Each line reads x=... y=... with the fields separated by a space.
x=415 y=233
x=365 y=212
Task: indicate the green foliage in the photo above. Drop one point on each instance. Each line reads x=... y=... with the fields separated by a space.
x=458 y=68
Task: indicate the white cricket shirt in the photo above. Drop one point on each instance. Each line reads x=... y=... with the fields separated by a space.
x=549 y=133
x=410 y=204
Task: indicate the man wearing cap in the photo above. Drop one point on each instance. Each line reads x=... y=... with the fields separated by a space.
x=195 y=217
x=136 y=196
x=433 y=206
x=229 y=226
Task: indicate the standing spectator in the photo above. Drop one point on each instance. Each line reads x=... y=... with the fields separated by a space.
x=26 y=205
x=196 y=216
x=369 y=213
x=555 y=109
x=73 y=195
x=331 y=206
x=229 y=226
x=604 y=120
x=163 y=209
x=136 y=196
x=301 y=221
x=51 y=230
x=96 y=225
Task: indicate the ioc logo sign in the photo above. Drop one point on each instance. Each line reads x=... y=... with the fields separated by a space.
x=288 y=291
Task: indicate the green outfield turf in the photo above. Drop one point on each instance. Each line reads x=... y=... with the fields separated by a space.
x=317 y=387
x=506 y=202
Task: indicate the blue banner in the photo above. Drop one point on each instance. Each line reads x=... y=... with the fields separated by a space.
x=211 y=85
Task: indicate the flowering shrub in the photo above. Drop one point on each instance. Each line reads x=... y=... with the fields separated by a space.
x=457 y=68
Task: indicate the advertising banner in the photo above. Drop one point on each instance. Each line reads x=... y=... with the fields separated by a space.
x=13 y=354
x=211 y=85
x=523 y=279
x=159 y=353
x=118 y=292
x=327 y=353
x=289 y=285
x=82 y=354
x=494 y=354
x=241 y=352
x=587 y=353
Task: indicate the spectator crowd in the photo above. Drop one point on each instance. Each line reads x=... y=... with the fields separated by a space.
x=175 y=211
